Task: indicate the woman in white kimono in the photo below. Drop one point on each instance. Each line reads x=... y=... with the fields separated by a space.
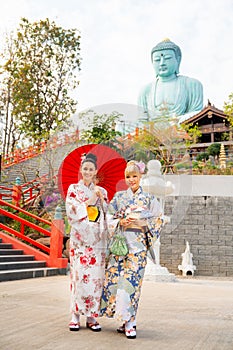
x=138 y=214
x=86 y=205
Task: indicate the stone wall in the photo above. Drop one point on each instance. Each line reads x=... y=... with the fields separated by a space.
x=207 y=224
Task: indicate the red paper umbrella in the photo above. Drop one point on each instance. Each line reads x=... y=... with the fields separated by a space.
x=110 y=165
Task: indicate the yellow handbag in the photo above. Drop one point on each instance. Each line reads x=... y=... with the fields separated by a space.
x=93 y=213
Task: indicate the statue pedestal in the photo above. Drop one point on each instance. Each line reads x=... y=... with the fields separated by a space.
x=157 y=273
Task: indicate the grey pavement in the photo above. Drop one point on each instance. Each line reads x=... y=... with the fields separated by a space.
x=191 y=313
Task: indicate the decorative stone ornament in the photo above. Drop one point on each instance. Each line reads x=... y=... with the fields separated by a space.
x=187 y=266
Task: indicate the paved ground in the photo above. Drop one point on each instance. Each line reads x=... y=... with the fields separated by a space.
x=189 y=314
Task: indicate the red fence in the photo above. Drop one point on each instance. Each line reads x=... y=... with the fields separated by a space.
x=20 y=155
x=27 y=191
x=52 y=254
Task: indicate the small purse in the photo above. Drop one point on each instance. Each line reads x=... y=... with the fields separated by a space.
x=118 y=245
x=93 y=213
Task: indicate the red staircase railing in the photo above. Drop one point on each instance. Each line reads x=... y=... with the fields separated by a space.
x=28 y=189
x=20 y=155
x=7 y=192
x=52 y=254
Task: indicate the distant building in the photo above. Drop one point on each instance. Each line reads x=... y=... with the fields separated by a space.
x=214 y=127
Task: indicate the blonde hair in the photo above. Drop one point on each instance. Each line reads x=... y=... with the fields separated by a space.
x=132 y=168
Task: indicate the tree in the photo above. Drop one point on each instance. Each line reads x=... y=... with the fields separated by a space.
x=228 y=109
x=100 y=128
x=161 y=140
x=193 y=132
x=214 y=149
x=42 y=71
x=10 y=132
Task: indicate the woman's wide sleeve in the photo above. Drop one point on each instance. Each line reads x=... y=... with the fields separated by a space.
x=112 y=215
x=155 y=223
x=105 y=201
x=75 y=206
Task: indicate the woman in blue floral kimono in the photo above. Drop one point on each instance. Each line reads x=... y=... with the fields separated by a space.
x=138 y=214
x=86 y=206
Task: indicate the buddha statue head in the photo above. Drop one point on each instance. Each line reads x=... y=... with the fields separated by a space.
x=163 y=48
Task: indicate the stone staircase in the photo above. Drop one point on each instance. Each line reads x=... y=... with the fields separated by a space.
x=15 y=265
x=31 y=168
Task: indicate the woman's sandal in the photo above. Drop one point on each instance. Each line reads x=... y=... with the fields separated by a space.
x=95 y=327
x=121 y=329
x=74 y=326
x=130 y=333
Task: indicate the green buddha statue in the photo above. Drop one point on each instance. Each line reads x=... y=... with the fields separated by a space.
x=170 y=94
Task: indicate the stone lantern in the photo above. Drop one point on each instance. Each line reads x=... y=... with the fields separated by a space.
x=153 y=182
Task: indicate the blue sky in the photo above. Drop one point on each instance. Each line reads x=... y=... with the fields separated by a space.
x=117 y=37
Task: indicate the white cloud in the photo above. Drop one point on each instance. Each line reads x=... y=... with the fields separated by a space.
x=117 y=37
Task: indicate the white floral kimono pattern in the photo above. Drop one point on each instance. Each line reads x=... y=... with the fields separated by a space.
x=87 y=250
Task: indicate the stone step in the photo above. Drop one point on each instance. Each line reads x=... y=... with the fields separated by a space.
x=10 y=258
x=11 y=252
x=29 y=169
x=5 y=246
x=11 y=275
x=13 y=265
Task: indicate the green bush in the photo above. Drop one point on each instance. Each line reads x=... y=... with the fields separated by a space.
x=202 y=156
x=214 y=149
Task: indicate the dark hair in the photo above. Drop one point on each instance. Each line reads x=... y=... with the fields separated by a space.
x=90 y=157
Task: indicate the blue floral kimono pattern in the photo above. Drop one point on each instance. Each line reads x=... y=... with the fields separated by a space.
x=124 y=275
